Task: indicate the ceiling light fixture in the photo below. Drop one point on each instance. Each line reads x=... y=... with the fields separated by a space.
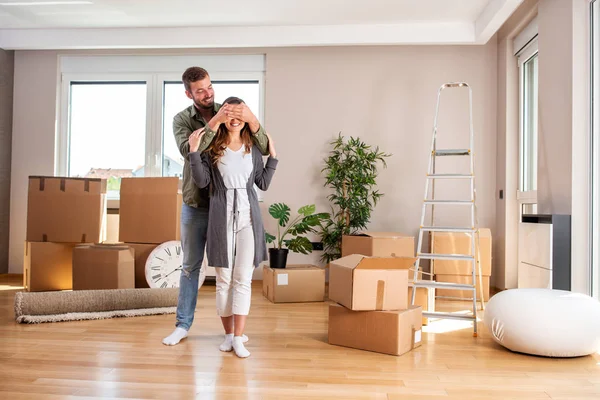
x=44 y=3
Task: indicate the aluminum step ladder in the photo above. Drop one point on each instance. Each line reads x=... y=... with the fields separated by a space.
x=470 y=228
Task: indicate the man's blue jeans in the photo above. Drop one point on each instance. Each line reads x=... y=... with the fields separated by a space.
x=194 y=226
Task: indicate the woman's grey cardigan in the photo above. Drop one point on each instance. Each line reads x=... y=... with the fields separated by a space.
x=205 y=173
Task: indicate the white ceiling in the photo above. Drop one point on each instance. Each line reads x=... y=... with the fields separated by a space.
x=247 y=23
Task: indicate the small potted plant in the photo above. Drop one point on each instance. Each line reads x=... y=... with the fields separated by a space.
x=305 y=222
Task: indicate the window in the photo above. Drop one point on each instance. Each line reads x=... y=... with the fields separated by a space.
x=119 y=123
x=595 y=148
x=528 y=133
x=107 y=131
x=175 y=101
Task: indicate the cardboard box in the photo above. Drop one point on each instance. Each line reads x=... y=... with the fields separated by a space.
x=141 y=253
x=460 y=243
x=47 y=266
x=378 y=244
x=294 y=284
x=103 y=266
x=66 y=210
x=150 y=210
x=423 y=298
x=464 y=294
x=364 y=283
x=387 y=332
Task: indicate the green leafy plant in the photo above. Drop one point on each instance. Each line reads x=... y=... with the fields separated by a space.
x=350 y=171
x=304 y=223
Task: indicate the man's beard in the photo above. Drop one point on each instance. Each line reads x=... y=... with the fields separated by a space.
x=203 y=106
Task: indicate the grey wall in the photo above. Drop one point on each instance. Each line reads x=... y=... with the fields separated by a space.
x=6 y=109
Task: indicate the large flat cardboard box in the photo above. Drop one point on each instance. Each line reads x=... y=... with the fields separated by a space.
x=362 y=283
x=378 y=244
x=103 y=266
x=387 y=332
x=141 y=252
x=66 y=210
x=464 y=294
x=423 y=298
x=460 y=243
x=150 y=210
x=47 y=266
x=294 y=284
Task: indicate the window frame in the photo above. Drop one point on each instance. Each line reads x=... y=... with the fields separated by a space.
x=219 y=77
x=523 y=56
x=595 y=145
x=63 y=140
x=155 y=71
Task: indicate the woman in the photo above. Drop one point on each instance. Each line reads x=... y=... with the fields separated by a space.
x=236 y=238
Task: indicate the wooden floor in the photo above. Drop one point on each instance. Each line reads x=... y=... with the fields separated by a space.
x=124 y=358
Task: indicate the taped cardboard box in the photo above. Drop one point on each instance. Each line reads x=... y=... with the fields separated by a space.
x=294 y=284
x=464 y=294
x=460 y=243
x=48 y=266
x=150 y=210
x=103 y=266
x=66 y=210
x=141 y=253
x=387 y=332
x=364 y=283
x=379 y=244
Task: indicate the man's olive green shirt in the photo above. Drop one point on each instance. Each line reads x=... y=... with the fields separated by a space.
x=186 y=122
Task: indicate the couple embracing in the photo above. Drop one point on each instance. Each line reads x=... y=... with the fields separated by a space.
x=223 y=147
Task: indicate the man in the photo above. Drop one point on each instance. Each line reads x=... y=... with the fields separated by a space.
x=204 y=115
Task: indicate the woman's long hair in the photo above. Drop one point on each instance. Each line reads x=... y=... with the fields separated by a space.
x=219 y=144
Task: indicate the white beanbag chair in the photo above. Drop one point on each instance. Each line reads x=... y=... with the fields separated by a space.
x=545 y=322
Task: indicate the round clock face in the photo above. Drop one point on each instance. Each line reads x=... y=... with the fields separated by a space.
x=163 y=266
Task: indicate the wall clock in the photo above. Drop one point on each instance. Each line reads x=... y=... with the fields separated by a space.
x=163 y=266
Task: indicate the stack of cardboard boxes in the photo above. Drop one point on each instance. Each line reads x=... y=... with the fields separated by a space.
x=61 y=213
x=66 y=244
x=372 y=311
x=461 y=271
x=150 y=213
x=372 y=295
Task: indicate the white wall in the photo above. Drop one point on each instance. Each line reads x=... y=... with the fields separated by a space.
x=563 y=163
x=563 y=142
x=504 y=274
x=34 y=127
x=555 y=25
x=385 y=95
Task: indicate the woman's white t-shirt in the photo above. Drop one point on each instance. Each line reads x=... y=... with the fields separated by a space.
x=235 y=168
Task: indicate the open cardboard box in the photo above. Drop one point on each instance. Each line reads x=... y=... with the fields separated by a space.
x=364 y=283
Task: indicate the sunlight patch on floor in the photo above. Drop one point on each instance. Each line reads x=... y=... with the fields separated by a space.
x=449 y=325
x=10 y=287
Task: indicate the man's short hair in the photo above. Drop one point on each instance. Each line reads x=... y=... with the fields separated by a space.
x=193 y=74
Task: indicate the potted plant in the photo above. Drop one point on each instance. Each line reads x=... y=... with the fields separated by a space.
x=350 y=171
x=305 y=222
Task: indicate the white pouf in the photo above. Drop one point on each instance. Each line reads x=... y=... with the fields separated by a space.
x=544 y=322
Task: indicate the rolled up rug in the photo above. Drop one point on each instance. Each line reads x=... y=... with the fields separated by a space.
x=38 y=307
